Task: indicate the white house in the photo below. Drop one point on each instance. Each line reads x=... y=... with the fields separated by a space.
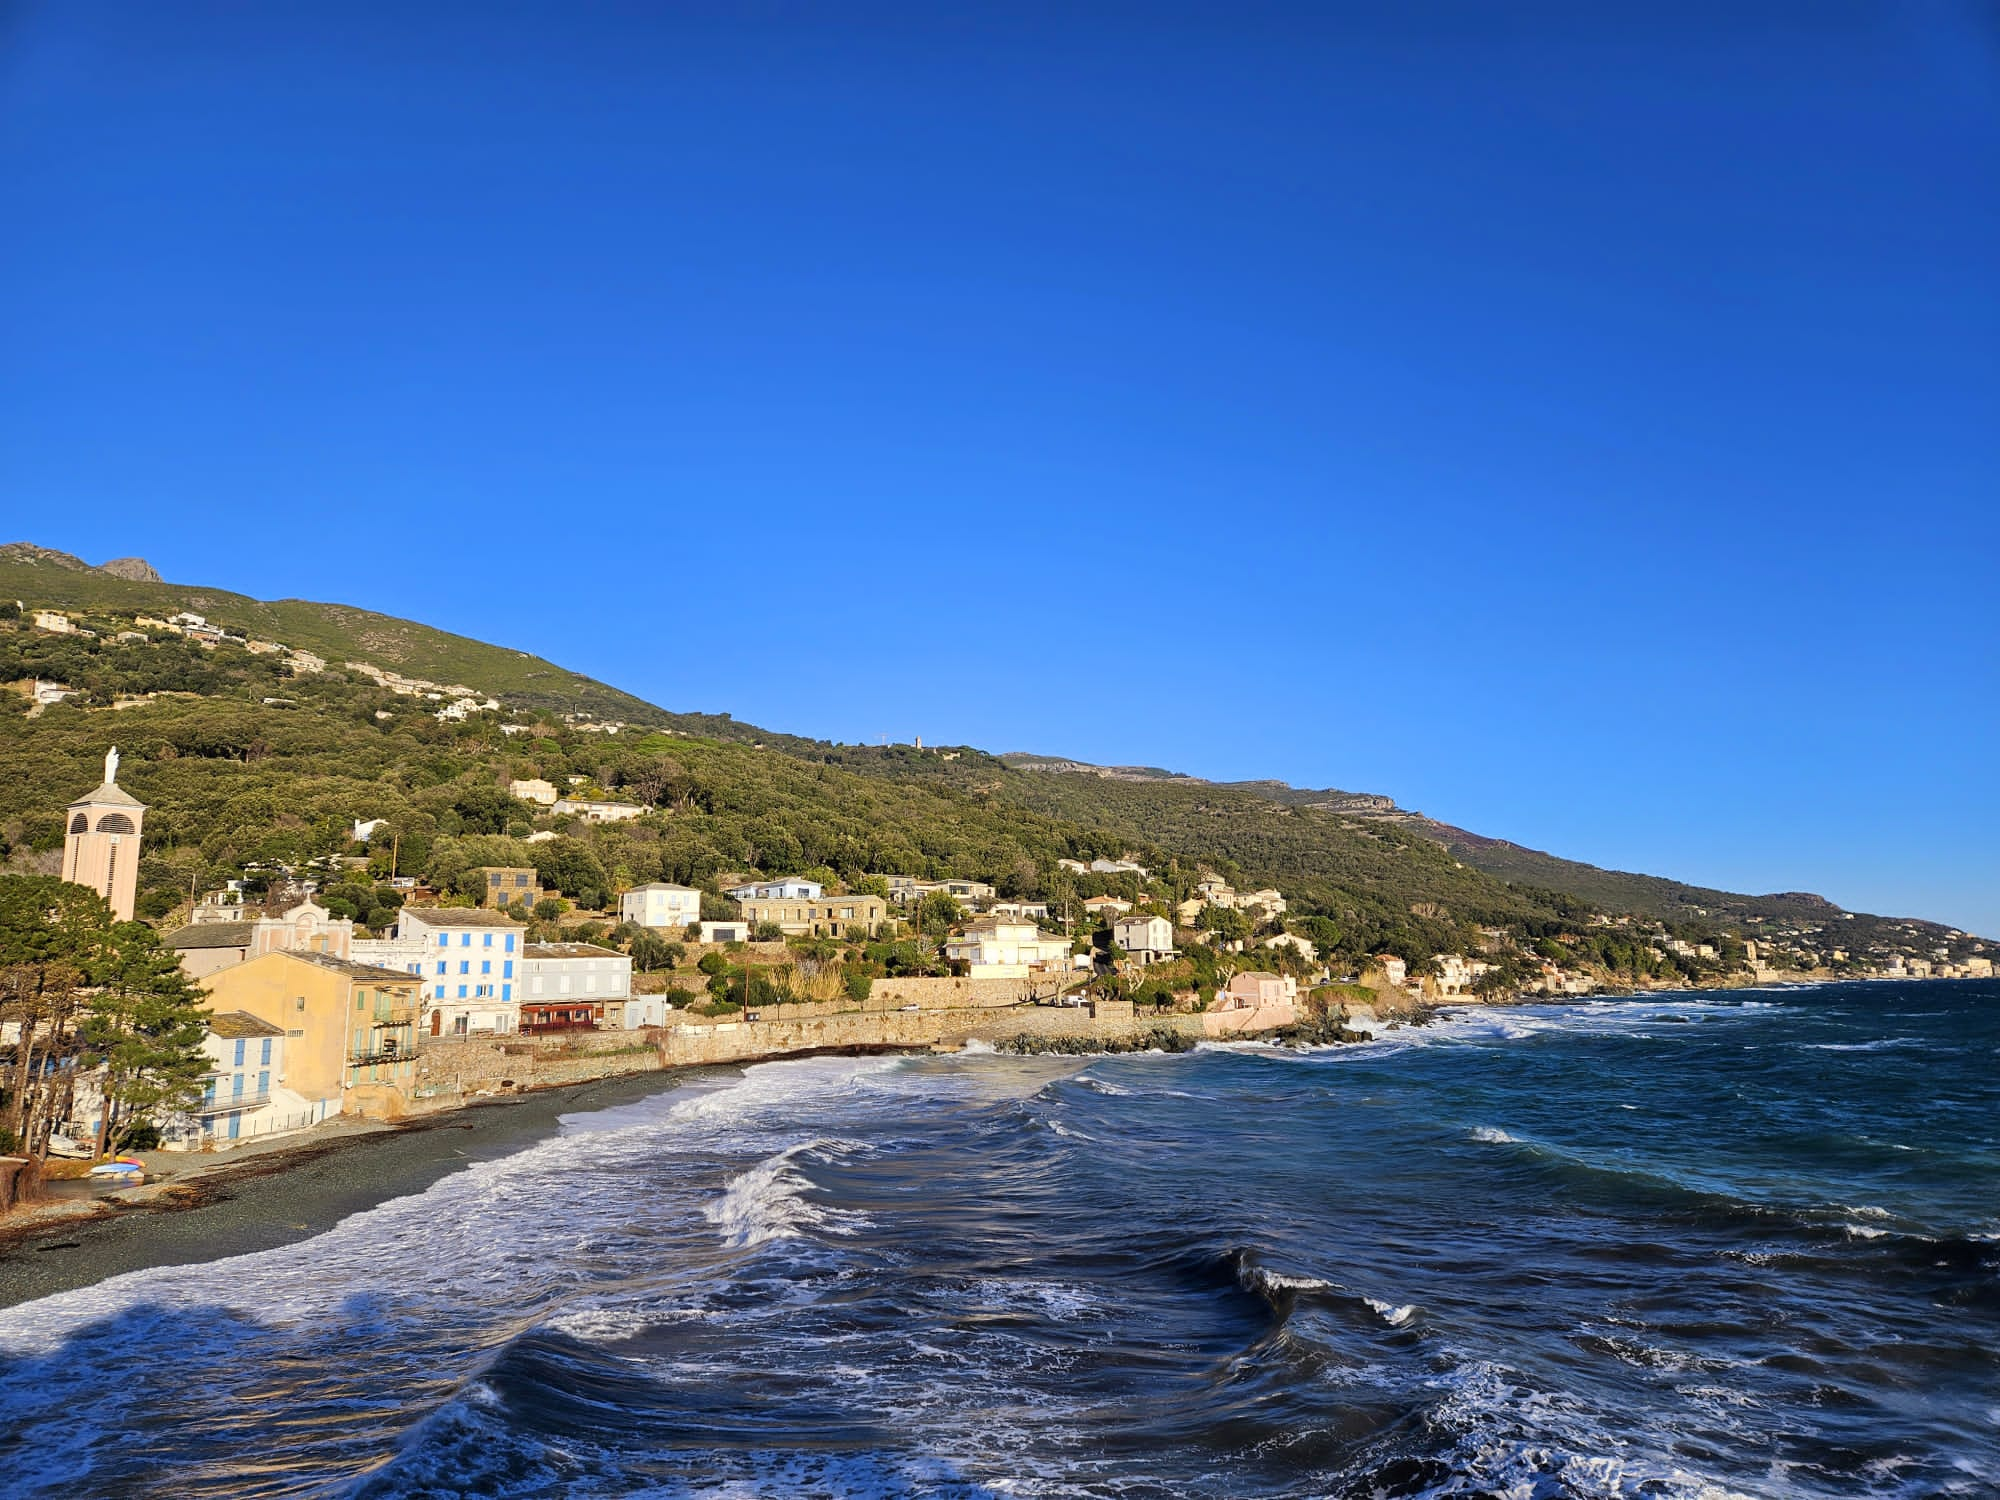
x=725 y=932
x=243 y=1094
x=1035 y=910
x=1107 y=906
x=787 y=888
x=593 y=811
x=583 y=971
x=364 y=828
x=1393 y=968
x=468 y=969
x=660 y=904
x=52 y=620
x=532 y=789
x=1304 y=947
x=1003 y=948
x=1146 y=939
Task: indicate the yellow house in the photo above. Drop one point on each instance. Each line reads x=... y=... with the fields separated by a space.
x=350 y=1029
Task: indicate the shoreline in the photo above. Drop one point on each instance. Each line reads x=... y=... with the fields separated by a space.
x=285 y=1195
x=289 y=1193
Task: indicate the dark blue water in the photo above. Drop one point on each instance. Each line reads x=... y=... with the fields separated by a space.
x=1672 y=1247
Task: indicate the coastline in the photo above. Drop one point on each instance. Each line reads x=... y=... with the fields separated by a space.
x=289 y=1194
x=260 y=1200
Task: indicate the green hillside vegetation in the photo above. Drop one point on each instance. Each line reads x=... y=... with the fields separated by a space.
x=249 y=768
x=336 y=632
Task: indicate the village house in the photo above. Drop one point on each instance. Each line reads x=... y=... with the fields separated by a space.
x=784 y=888
x=1393 y=968
x=534 y=789
x=1454 y=976
x=55 y=622
x=507 y=885
x=1146 y=939
x=725 y=932
x=212 y=942
x=660 y=903
x=469 y=979
x=1005 y=948
x=1035 y=910
x=349 y=1041
x=592 y=810
x=908 y=890
x=1107 y=906
x=555 y=975
x=1267 y=901
x=1304 y=947
x=242 y=1095
x=828 y=916
x=1253 y=1001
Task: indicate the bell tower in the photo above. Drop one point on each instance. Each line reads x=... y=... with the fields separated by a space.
x=101 y=848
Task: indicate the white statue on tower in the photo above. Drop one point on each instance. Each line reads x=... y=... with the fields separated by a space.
x=111 y=766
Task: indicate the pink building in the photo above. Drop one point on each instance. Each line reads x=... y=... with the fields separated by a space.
x=1253 y=1001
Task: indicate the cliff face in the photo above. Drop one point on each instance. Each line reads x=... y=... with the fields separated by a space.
x=133 y=569
x=137 y=569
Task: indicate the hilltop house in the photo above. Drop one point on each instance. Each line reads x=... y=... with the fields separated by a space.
x=592 y=810
x=1107 y=906
x=533 y=789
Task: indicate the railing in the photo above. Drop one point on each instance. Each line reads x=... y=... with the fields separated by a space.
x=391 y=1055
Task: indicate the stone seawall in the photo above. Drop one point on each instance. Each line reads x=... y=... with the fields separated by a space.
x=451 y=1071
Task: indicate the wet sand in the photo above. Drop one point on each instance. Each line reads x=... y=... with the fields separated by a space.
x=283 y=1196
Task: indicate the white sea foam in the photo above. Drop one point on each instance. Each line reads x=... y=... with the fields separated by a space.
x=769 y=1201
x=1392 y=1314
x=1491 y=1135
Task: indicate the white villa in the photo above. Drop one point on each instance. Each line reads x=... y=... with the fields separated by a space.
x=787 y=888
x=661 y=904
x=1006 y=948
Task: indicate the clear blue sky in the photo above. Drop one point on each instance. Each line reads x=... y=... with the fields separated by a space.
x=1580 y=421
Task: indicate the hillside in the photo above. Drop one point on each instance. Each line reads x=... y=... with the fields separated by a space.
x=42 y=578
x=244 y=761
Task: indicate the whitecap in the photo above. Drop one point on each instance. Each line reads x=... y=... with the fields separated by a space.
x=1491 y=1136
x=1391 y=1313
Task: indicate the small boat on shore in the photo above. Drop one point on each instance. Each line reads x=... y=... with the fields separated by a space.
x=119 y=1169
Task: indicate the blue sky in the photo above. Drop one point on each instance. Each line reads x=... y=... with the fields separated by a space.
x=1580 y=422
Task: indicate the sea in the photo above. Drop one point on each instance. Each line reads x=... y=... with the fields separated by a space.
x=1687 y=1245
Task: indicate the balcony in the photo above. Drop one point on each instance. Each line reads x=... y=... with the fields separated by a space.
x=223 y=1104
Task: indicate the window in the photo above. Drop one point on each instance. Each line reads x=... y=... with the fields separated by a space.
x=461 y=992
x=506 y=992
x=264 y=1080
x=239 y=1052
x=265 y=1059
x=488 y=940
x=465 y=966
x=486 y=966
x=236 y=1084
x=444 y=940
x=440 y=966
x=465 y=940
x=510 y=942
x=507 y=968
